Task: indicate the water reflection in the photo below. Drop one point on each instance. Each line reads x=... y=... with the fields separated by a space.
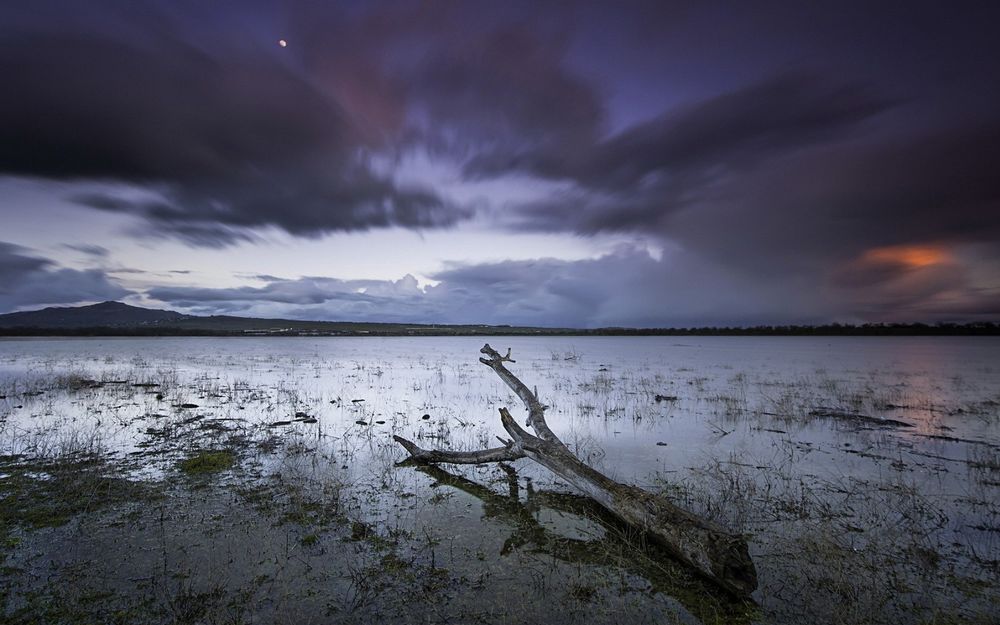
x=613 y=544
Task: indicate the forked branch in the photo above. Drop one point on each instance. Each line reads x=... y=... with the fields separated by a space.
x=717 y=554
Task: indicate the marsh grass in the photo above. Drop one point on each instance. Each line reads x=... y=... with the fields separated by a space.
x=235 y=520
x=47 y=493
x=207 y=462
x=861 y=551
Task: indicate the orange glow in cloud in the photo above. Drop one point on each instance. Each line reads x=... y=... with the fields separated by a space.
x=914 y=256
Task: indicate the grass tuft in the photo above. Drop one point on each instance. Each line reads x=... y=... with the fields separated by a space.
x=206 y=462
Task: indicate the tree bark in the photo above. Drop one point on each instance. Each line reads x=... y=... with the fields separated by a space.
x=715 y=553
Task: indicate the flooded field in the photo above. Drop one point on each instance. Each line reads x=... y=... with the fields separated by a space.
x=211 y=480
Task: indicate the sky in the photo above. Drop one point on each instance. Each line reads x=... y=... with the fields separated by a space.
x=585 y=164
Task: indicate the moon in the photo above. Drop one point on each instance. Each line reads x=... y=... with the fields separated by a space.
x=282 y=43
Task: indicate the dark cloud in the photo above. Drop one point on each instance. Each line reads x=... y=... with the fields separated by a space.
x=16 y=263
x=636 y=179
x=128 y=270
x=628 y=287
x=820 y=209
x=939 y=291
x=792 y=192
x=734 y=130
x=307 y=298
x=500 y=96
x=226 y=133
x=780 y=154
x=625 y=288
x=935 y=186
x=96 y=251
x=27 y=280
x=223 y=131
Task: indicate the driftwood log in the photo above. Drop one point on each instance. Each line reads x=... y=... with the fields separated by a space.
x=715 y=553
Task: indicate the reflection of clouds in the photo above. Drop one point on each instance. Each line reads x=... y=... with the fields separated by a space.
x=575 y=529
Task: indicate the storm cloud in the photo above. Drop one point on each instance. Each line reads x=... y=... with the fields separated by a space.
x=27 y=280
x=731 y=131
x=222 y=134
x=783 y=162
x=628 y=287
x=307 y=298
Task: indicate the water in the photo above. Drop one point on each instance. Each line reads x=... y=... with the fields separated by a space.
x=846 y=517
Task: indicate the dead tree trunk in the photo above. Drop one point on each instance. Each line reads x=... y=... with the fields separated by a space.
x=714 y=552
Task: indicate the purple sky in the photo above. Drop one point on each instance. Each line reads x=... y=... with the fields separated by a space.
x=551 y=163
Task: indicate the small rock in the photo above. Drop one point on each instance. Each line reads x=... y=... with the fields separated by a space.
x=356 y=401
x=660 y=398
x=660 y=444
x=426 y=417
x=301 y=415
x=189 y=405
x=380 y=422
x=309 y=420
x=277 y=423
x=360 y=422
x=159 y=396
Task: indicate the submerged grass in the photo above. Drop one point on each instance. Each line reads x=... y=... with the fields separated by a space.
x=207 y=462
x=313 y=523
x=37 y=494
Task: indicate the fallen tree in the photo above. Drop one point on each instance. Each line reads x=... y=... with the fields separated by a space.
x=715 y=553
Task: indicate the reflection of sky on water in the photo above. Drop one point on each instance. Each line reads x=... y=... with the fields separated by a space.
x=601 y=389
x=741 y=411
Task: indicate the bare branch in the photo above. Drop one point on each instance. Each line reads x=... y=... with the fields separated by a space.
x=717 y=554
x=495 y=355
x=519 y=434
x=536 y=411
x=420 y=455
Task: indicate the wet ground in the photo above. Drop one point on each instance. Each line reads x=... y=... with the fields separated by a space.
x=254 y=480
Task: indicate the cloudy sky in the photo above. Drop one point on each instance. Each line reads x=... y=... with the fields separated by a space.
x=550 y=163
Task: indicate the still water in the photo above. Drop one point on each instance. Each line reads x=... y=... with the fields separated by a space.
x=865 y=471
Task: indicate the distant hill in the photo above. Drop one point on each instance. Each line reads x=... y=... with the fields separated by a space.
x=105 y=314
x=117 y=319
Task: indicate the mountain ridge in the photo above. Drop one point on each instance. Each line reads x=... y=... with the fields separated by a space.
x=113 y=318
x=120 y=318
x=105 y=314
